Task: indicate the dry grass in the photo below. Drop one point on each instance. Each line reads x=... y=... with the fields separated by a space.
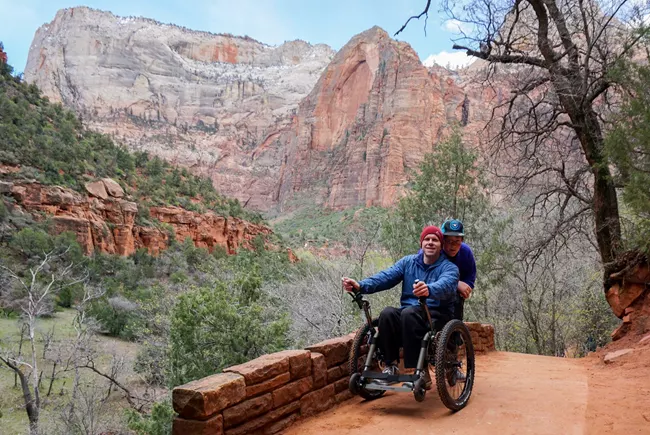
x=14 y=418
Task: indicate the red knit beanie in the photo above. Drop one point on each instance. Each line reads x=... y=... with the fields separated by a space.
x=431 y=229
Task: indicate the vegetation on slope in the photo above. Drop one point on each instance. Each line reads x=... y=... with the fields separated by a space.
x=132 y=298
x=50 y=145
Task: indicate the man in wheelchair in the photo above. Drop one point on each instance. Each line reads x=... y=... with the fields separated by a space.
x=426 y=274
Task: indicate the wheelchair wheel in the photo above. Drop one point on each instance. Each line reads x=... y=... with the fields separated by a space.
x=454 y=361
x=358 y=353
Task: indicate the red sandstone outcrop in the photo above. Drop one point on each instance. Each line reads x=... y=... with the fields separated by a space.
x=629 y=297
x=362 y=132
x=105 y=221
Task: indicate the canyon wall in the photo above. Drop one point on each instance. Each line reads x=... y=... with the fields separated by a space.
x=276 y=127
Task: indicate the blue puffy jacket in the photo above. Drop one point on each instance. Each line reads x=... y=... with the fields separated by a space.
x=441 y=278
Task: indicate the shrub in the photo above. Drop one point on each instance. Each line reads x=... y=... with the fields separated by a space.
x=211 y=329
x=159 y=422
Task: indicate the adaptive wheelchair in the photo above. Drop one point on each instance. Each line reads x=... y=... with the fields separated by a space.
x=450 y=351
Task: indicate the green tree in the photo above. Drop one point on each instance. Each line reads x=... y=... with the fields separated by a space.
x=628 y=146
x=449 y=185
x=211 y=329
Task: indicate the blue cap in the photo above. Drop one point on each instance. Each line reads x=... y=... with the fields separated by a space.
x=452 y=227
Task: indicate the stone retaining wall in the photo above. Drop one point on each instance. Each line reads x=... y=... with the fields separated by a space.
x=268 y=394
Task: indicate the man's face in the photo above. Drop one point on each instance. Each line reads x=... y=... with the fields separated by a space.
x=452 y=245
x=431 y=245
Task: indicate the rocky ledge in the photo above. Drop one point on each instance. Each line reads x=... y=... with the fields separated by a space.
x=105 y=220
x=629 y=297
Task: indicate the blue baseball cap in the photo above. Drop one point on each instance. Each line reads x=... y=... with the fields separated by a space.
x=452 y=227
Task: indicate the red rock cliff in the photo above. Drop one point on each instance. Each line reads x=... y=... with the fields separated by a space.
x=371 y=117
x=271 y=126
x=358 y=137
x=105 y=220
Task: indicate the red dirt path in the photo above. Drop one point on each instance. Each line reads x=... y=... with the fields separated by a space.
x=514 y=394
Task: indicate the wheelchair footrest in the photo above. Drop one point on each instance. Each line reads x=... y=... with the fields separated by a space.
x=406 y=387
x=389 y=378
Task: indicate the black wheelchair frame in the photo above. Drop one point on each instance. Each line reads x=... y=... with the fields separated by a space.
x=434 y=349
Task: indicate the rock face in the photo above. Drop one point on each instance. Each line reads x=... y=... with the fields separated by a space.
x=366 y=126
x=629 y=298
x=108 y=224
x=195 y=98
x=272 y=126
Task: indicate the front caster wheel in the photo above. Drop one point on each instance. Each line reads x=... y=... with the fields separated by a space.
x=419 y=390
x=357 y=358
x=354 y=383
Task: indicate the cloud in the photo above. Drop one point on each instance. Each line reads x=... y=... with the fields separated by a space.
x=455 y=26
x=454 y=60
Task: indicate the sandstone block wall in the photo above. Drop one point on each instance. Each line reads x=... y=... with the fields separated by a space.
x=268 y=394
x=482 y=336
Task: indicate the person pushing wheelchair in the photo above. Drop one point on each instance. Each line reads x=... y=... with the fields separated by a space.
x=427 y=274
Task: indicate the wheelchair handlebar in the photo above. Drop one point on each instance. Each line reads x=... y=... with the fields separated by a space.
x=421 y=299
x=357 y=297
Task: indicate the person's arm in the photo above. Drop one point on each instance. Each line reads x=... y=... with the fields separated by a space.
x=444 y=287
x=385 y=279
x=471 y=268
x=466 y=284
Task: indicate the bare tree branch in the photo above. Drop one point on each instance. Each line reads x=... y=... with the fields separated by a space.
x=417 y=17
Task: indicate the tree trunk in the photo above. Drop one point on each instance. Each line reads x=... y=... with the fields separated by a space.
x=52 y=378
x=588 y=129
x=605 y=201
x=20 y=350
x=35 y=381
x=30 y=405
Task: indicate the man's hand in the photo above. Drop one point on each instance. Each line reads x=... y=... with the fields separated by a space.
x=420 y=289
x=350 y=285
x=464 y=290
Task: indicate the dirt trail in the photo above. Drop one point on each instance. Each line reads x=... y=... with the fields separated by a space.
x=513 y=394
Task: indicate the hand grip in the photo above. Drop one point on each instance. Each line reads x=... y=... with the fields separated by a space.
x=422 y=299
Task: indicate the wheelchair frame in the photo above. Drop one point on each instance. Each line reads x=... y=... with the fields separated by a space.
x=365 y=383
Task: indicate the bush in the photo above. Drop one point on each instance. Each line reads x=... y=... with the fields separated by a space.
x=118 y=316
x=159 y=422
x=3 y=211
x=211 y=330
x=69 y=295
x=151 y=362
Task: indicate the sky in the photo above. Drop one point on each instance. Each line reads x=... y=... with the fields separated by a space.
x=331 y=22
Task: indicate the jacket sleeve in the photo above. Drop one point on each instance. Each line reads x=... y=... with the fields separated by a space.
x=444 y=288
x=470 y=279
x=384 y=280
